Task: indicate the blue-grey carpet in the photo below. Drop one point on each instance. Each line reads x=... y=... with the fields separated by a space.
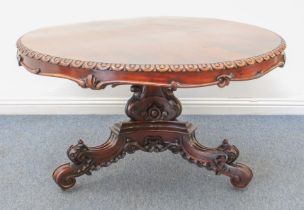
x=31 y=147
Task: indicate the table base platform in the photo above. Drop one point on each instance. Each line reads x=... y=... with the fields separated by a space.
x=153 y=127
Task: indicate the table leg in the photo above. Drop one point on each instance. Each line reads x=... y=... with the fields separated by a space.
x=153 y=128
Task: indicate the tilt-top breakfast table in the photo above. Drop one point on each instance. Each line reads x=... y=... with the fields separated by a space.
x=155 y=56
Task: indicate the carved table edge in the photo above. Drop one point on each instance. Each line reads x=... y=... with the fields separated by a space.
x=25 y=51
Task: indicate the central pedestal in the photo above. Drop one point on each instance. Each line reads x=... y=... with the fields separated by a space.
x=153 y=128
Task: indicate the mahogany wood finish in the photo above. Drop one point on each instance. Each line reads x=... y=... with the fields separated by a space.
x=156 y=56
x=153 y=128
x=183 y=52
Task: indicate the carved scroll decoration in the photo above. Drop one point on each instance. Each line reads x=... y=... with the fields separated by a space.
x=147 y=105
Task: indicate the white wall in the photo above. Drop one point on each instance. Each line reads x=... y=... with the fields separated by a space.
x=280 y=92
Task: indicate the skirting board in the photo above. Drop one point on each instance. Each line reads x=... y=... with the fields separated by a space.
x=206 y=106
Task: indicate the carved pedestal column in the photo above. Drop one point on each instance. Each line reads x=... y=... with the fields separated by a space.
x=153 y=128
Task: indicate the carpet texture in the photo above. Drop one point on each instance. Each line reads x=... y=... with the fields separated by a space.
x=31 y=147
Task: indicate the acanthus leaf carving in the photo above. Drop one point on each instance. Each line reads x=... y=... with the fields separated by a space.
x=152 y=144
x=153 y=103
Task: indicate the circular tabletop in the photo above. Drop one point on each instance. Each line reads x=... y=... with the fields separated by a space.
x=136 y=51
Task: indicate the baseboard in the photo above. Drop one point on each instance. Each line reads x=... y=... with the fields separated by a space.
x=206 y=106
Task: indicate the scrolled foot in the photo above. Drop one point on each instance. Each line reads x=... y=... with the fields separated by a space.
x=64 y=176
x=241 y=175
x=220 y=160
x=86 y=159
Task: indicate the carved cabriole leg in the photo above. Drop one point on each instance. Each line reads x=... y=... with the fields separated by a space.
x=125 y=138
x=86 y=159
x=153 y=128
x=220 y=159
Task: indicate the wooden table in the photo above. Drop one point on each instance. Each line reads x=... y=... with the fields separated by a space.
x=155 y=56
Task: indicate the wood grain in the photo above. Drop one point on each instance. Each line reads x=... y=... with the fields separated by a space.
x=153 y=44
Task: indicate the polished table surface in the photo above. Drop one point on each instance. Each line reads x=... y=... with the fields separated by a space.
x=164 y=44
x=154 y=41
